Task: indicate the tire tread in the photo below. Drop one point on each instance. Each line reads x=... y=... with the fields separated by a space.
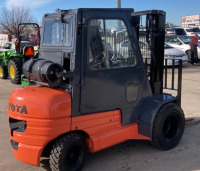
x=57 y=150
x=155 y=141
x=17 y=63
x=5 y=71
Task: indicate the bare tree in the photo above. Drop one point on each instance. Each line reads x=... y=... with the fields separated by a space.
x=11 y=18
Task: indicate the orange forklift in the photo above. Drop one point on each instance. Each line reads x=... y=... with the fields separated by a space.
x=90 y=88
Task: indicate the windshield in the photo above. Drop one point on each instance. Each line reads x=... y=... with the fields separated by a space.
x=186 y=39
x=189 y=30
x=196 y=30
x=180 y=31
x=57 y=33
x=7 y=46
x=167 y=46
x=173 y=40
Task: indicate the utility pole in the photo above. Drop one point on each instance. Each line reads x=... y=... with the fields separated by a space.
x=118 y=5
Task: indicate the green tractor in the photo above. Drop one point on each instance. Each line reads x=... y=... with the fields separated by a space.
x=26 y=47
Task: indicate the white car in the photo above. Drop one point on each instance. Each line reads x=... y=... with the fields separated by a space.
x=181 y=43
x=192 y=31
x=11 y=46
x=8 y=46
x=170 y=53
x=175 y=31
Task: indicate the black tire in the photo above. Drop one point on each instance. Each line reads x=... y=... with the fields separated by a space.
x=168 y=127
x=188 y=53
x=68 y=153
x=15 y=70
x=3 y=72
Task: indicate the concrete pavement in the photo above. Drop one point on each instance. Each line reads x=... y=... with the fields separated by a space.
x=131 y=155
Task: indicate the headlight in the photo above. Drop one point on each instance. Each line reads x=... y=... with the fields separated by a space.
x=174 y=56
x=168 y=56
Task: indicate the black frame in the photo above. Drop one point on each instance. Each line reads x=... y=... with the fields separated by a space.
x=18 y=38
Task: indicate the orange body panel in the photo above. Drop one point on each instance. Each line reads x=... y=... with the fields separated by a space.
x=48 y=116
x=47 y=113
x=105 y=129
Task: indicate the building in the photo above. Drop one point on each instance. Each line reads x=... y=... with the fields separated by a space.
x=191 y=21
x=4 y=38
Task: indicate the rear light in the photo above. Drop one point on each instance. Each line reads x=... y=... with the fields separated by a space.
x=182 y=55
x=192 y=32
x=16 y=45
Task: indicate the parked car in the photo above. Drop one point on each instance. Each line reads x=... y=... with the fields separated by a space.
x=11 y=46
x=170 y=53
x=181 y=43
x=119 y=29
x=8 y=46
x=175 y=31
x=192 y=31
x=169 y=31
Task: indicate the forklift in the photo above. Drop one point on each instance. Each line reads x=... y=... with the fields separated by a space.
x=92 y=90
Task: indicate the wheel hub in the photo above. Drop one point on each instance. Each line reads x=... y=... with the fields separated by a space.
x=1 y=72
x=12 y=71
x=170 y=127
x=73 y=157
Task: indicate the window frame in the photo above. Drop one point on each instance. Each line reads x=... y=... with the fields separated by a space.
x=129 y=38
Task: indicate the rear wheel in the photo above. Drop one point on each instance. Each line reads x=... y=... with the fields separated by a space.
x=68 y=153
x=168 y=127
x=15 y=70
x=3 y=72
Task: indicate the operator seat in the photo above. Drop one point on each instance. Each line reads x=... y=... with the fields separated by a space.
x=96 y=46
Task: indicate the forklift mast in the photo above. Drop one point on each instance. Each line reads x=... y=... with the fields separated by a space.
x=155 y=37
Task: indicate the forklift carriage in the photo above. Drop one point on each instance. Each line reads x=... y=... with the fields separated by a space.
x=96 y=87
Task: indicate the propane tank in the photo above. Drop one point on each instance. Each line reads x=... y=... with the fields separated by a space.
x=43 y=71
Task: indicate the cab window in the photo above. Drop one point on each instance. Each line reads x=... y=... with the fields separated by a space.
x=109 y=44
x=57 y=33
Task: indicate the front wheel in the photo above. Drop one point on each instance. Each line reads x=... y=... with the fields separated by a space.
x=68 y=153
x=168 y=127
x=15 y=70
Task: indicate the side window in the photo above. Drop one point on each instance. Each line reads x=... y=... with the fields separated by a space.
x=57 y=33
x=171 y=40
x=109 y=44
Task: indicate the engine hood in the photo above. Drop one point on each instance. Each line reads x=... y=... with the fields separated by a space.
x=39 y=102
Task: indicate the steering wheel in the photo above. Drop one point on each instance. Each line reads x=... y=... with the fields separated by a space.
x=99 y=61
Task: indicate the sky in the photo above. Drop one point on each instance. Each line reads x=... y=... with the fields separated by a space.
x=174 y=9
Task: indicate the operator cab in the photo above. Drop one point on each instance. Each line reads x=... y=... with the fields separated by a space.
x=100 y=57
x=101 y=61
